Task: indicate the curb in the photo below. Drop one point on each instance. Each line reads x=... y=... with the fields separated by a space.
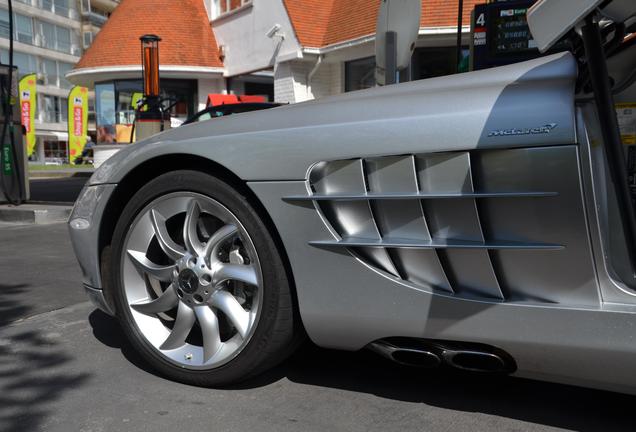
x=35 y=214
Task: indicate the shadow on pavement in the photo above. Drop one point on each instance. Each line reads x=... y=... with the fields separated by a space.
x=30 y=379
x=106 y=329
x=11 y=309
x=536 y=402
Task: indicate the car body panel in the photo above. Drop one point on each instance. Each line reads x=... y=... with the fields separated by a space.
x=346 y=304
x=89 y=208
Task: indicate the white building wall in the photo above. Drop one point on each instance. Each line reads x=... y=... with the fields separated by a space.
x=283 y=83
x=291 y=81
x=242 y=34
x=300 y=71
x=336 y=84
x=326 y=80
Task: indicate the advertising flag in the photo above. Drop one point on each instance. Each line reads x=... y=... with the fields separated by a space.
x=77 y=121
x=28 y=96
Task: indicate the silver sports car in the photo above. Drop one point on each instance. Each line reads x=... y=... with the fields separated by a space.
x=483 y=221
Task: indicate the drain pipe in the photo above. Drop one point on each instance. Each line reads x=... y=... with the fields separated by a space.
x=313 y=72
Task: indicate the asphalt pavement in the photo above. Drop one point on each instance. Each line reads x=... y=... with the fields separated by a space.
x=65 y=366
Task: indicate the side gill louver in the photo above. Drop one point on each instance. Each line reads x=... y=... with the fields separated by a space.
x=494 y=224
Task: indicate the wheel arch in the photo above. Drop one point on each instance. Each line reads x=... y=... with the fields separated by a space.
x=153 y=168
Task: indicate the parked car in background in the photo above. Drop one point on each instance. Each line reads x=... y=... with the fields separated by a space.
x=229 y=109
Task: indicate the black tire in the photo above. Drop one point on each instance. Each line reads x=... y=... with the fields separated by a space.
x=278 y=330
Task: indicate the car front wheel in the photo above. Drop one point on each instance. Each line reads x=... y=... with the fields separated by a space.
x=200 y=287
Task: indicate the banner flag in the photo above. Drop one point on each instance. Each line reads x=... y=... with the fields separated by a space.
x=28 y=98
x=77 y=121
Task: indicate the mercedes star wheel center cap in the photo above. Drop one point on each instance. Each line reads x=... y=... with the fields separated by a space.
x=188 y=281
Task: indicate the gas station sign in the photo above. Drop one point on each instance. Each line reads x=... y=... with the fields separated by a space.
x=500 y=34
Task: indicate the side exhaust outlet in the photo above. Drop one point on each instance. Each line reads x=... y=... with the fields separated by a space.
x=424 y=353
x=409 y=356
x=474 y=361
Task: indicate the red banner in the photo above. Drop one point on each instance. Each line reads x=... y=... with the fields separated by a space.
x=77 y=121
x=26 y=115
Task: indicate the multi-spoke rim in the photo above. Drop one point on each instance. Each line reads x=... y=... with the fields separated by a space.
x=192 y=280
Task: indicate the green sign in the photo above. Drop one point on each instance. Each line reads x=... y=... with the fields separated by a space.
x=7 y=168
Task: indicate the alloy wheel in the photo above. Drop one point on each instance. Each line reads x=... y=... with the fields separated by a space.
x=192 y=280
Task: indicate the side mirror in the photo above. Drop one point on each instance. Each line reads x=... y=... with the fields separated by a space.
x=396 y=33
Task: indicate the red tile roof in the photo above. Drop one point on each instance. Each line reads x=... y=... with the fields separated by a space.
x=183 y=25
x=319 y=23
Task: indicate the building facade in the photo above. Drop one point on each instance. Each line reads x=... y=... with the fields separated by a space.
x=49 y=39
x=317 y=48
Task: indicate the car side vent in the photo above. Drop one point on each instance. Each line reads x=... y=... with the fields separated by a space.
x=489 y=224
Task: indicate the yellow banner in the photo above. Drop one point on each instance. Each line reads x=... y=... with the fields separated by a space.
x=77 y=122
x=28 y=99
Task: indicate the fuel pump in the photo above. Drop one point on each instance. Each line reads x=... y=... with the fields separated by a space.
x=14 y=184
x=151 y=117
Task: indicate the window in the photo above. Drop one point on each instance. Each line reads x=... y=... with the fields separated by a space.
x=63 y=36
x=26 y=63
x=124 y=95
x=434 y=62
x=63 y=109
x=360 y=74
x=50 y=109
x=63 y=69
x=22 y=27
x=105 y=112
x=62 y=7
x=58 y=7
x=88 y=39
x=4 y=23
x=56 y=37
x=53 y=109
x=55 y=150
x=47 y=5
x=48 y=69
x=48 y=35
x=221 y=7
